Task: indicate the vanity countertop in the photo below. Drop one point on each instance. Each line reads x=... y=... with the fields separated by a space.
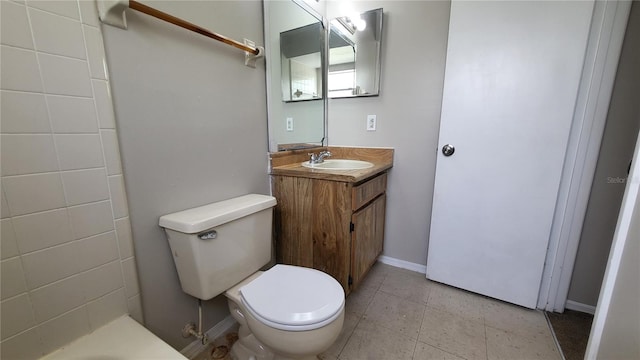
x=289 y=163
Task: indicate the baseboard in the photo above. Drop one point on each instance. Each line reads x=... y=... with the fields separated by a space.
x=573 y=305
x=196 y=347
x=403 y=264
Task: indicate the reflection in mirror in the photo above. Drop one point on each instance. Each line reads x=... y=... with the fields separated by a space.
x=294 y=73
x=354 y=55
x=301 y=63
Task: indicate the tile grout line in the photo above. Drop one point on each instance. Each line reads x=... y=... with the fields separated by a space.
x=424 y=313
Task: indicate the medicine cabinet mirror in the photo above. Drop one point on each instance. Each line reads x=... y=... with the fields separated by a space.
x=354 y=54
x=301 y=62
x=296 y=64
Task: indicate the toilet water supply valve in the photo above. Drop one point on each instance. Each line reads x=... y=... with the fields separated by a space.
x=190 y=328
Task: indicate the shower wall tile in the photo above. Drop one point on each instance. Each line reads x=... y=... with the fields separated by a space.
x=8 y=244
x=134 y=304
x=66 y=249
x=57 y=298
x=12 y=277
x=42 y=230
x=98 y=250
x=4 y=210
x=14 y=25
x=46 y=266
x=72 y=114
x=64 y=329
x=27 y=154
x=26 y=346
x=104 y=104
x=130 y=277
x=65 y=76
x=57 y=35
x=106 y=308
x=17 y=315
x=89 y=13
x=111 y=151
x=125 y=240
x=95 y=50
x=23 y=112
x=91 y=219
x=85 y=186
x=79 y=151
x=60 y=7
x=102 y=280
x=32 y=193
x=19 y=70
x=118 y=196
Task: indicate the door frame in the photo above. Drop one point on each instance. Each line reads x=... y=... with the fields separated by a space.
x=608 y=27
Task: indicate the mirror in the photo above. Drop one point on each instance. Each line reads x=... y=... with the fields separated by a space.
x=301 y=63
x=354 y=55
x=295 y=54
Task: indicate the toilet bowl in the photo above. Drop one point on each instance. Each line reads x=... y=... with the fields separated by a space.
x=285 y=312
x=293 y=311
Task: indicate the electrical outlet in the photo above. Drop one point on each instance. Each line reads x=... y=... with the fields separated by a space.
x=289 y=124
x=371 y=123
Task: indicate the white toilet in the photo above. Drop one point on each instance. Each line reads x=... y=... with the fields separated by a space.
x=286 y=312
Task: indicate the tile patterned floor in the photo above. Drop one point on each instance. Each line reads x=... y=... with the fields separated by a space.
x=398 y=314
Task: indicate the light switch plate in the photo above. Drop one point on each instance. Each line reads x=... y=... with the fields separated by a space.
x=289 y=124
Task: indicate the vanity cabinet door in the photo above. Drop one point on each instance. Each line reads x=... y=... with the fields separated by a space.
x=367 y=238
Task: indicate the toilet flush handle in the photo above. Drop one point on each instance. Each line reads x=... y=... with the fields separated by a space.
x=208 y=235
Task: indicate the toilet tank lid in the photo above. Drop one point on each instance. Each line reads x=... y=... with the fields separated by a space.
x=205 y=217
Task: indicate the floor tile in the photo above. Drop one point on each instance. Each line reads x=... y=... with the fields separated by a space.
x=455 y=301
x=350 y=322
x=394 y=313
x=453 y=334
x=427 y=352
x=370 y=341
x=376 y=275
x=359 y=299
x=509 y=317
x=408 y=285
x=508 y=346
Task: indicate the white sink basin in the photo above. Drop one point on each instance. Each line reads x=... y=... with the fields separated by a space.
x=339 y=164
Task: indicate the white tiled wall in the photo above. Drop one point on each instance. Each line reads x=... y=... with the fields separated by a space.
x=67 y=260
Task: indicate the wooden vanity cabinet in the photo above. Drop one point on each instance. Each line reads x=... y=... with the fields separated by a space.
x=333 y=226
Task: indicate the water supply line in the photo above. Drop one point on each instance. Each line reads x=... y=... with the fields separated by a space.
x=190 y=328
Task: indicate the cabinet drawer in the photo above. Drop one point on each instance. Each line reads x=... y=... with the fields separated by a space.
x=368 y=191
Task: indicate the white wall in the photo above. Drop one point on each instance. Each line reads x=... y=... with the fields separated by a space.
x=408 y=114
x=616 y=151
x=67 y=259
x=193 y=130
x=615 y=333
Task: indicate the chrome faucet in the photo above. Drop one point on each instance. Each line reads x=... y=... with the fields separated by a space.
x=318 y=158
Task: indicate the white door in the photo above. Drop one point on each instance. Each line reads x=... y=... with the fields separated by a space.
x=511 y=82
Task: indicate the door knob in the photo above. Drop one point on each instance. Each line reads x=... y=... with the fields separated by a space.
x=448 y=150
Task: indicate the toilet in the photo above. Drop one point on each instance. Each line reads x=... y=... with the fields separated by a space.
x=285 y=312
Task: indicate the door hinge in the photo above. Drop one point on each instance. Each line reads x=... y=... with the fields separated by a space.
x=350 y=281
x=351 y=227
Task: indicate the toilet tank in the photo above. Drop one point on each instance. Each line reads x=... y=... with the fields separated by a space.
x=218 y=245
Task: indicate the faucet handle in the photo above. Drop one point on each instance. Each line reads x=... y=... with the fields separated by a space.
x=313 y=158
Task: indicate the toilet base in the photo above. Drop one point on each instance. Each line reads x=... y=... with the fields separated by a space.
x=249 y=348
x=258 y=341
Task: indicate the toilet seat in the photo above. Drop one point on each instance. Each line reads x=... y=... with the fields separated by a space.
x=293 y=298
